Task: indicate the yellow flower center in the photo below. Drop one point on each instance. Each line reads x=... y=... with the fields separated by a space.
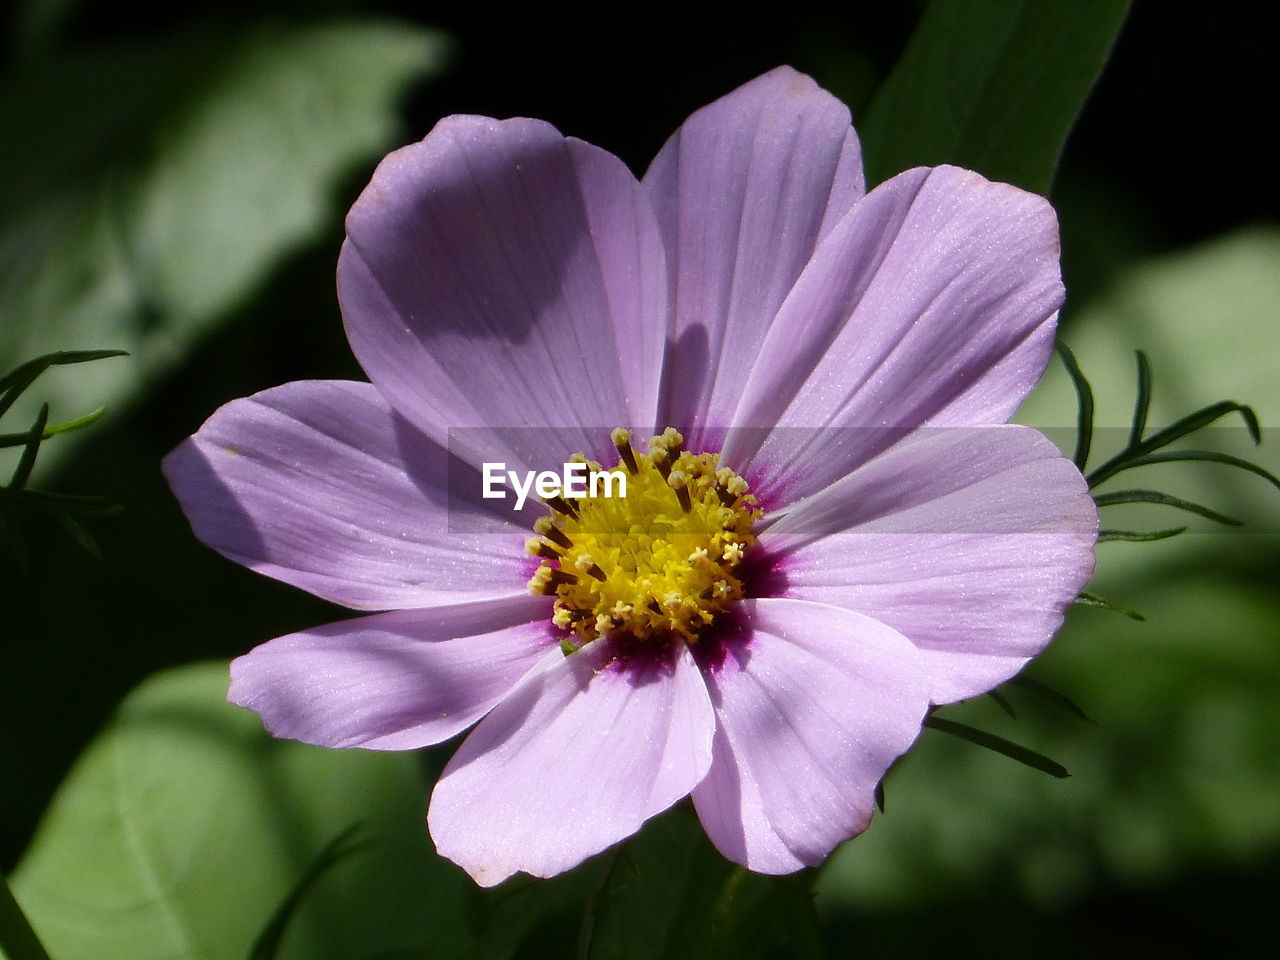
x=657 y=562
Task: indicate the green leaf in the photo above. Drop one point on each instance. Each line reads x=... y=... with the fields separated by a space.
x=667 y=894
x=522 y=908
x=267 y=946
x=763 y=917
x=1090 y=600
x=17 y=439
x=1202 y=346
x=1084 y=406
x=17 y=940
x=1052 y=695
x=185 y=826
x=1139 y=536
x=992 y=85
x=657 y=896
x=1208 y=456
x=13 y=384
x=998 y=745
x=32 y=447
x=1142 y=401
x=1202 y=418
x=1003 y=703
x=1154 y=496
x=146 y=191
x=1176 y=431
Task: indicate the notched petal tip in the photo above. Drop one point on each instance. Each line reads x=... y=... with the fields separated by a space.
x=575 y=759
x=744 y=191
x=391 y=681
x=811 y=712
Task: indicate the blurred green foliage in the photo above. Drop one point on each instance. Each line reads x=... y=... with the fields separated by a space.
x=1175 y=792
x=151 y=186
x=1207 y=318
x=185 y=825
x=992 y=85
x=16 y=498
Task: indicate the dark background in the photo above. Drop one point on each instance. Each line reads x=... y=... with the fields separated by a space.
x=1169 y=151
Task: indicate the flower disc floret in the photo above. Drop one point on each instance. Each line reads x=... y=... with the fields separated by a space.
x=661 y=561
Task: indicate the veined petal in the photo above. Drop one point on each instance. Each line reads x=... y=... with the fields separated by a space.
x=499 y=275
x=320 y=484
x=744 y=191
x=393 y=681
x=811 y=710
x=575 y=759
x=970 y=542
x=933 y=302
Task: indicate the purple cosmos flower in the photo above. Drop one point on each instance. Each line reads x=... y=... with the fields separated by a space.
x=839 y=531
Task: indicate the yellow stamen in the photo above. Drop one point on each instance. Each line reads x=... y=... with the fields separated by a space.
x=679 y=482
x=561 y=505
x=650 y=564
x=621 y=438
x=545 y=527
x=537 y=548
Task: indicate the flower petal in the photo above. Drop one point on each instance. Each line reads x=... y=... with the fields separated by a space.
x=744 y=191
x=320 y=484
x=811 y=710
x=970 y=542
x=393 y=681
x=933 y=302
x=499 y=275
x=576 y=758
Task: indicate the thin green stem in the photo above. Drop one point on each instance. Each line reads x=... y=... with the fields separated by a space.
x=997 y=744
x=19 y=439
x=1090 y=600
x=1140 y=454
x=1084 y=407
x=28 y=460
x=16 y=381
x=1142 y=403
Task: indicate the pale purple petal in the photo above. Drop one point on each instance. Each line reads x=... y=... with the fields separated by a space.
x=498 y=275
x=932 y=302
x=744 y=191
x=393 y=681
x=971 y=542
x=320 y=484
x=573 y=760
x=812 y=706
